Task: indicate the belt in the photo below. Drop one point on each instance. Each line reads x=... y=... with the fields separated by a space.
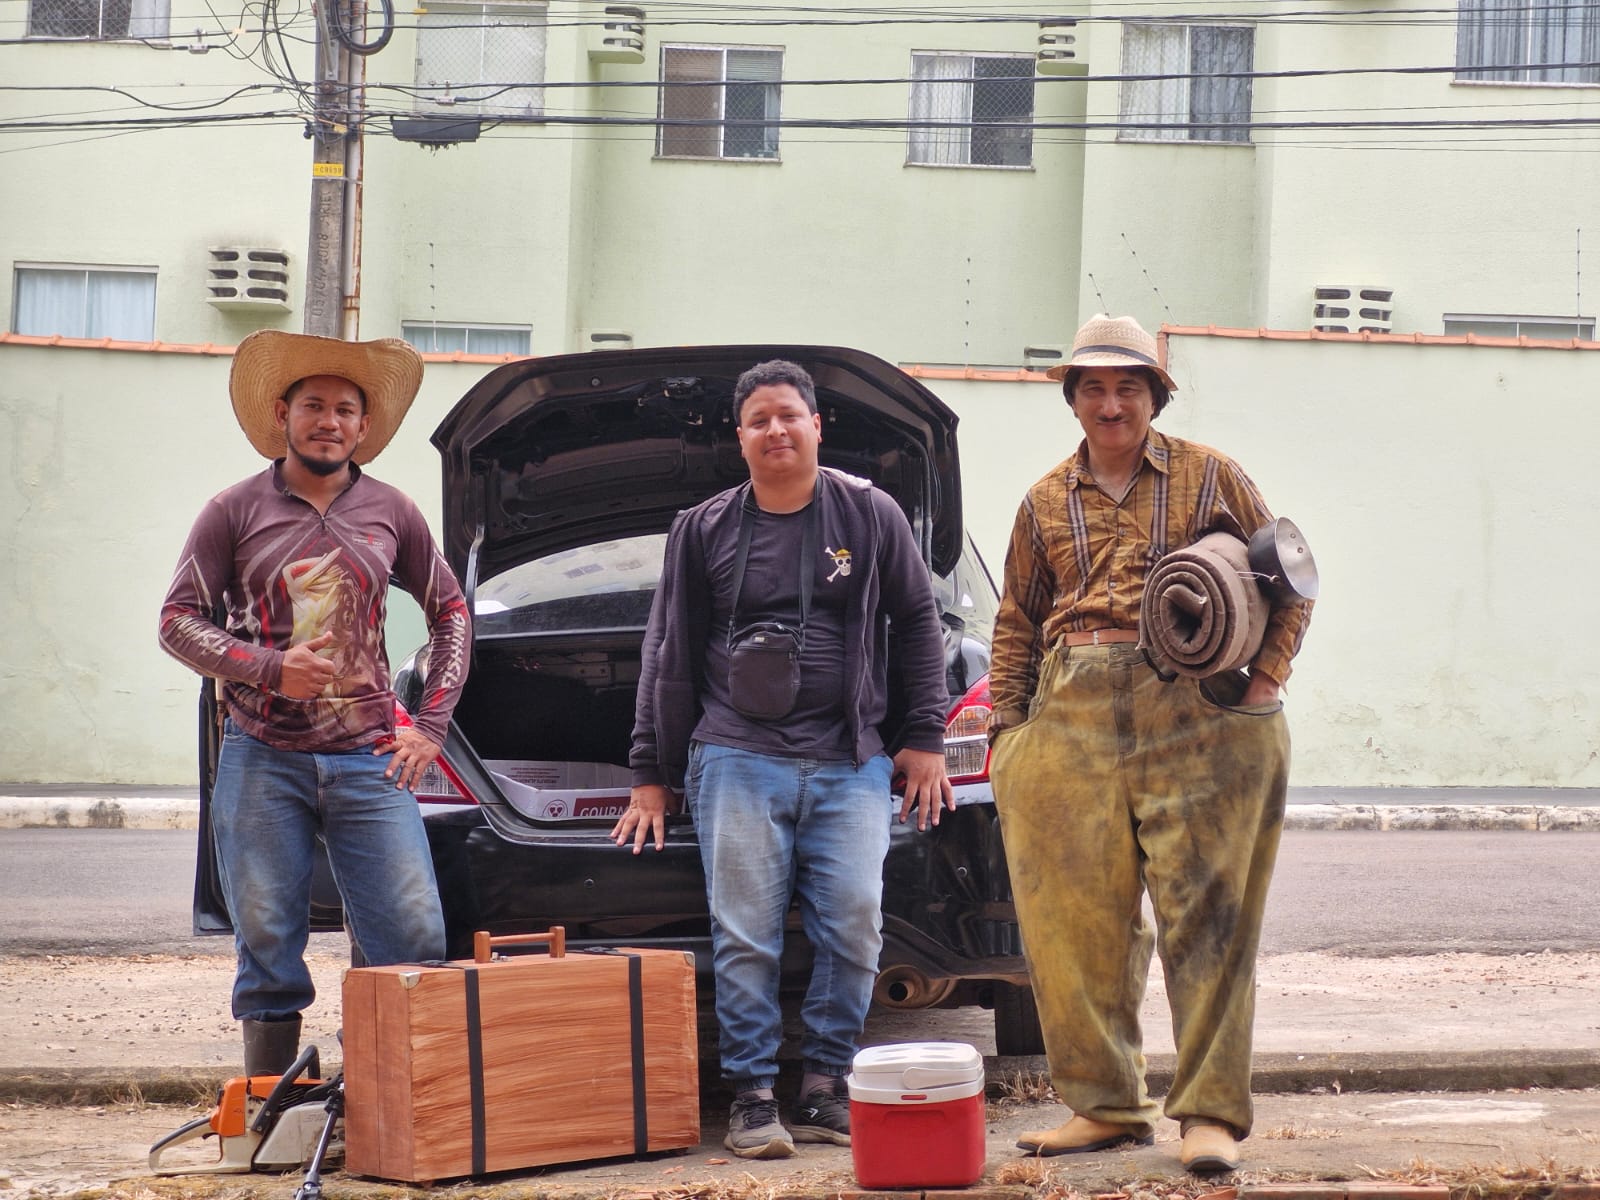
x=1099 y=637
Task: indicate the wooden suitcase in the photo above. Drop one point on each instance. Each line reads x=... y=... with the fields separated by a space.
x=473 y=1067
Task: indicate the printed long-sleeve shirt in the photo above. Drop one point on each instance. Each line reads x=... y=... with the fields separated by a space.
x=1078 y=560
x=281 y=573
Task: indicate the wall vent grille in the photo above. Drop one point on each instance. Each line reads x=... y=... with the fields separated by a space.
x=1352 y=308
x=248 y=277
x=616 y=34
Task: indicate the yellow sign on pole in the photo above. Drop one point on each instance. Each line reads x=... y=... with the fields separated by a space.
x=327 y=170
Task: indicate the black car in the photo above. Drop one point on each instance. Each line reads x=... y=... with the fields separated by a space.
x=561 y=477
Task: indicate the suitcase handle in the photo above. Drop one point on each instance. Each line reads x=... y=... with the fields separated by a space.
x=483 y=943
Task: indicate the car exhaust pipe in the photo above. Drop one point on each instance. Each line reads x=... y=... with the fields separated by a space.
x=906 y=987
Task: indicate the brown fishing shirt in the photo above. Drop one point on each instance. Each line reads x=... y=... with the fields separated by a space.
x=1078 y=559
x=283 y=574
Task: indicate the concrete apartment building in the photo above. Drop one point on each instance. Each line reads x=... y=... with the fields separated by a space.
x=948 y=186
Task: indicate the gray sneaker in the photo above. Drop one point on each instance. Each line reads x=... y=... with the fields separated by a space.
x=754 y=1130
x=823 y=1114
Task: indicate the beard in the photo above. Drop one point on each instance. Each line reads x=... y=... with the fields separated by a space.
x=321 y=466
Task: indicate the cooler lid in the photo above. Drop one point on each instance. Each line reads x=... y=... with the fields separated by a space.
x=913 y=1066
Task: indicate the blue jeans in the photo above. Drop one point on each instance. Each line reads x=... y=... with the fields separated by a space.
x=771 y=828
x=266 y=808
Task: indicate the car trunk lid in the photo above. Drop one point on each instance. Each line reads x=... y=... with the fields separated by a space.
x=549 y=453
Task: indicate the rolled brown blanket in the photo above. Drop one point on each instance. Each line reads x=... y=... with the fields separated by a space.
x=1203 y=612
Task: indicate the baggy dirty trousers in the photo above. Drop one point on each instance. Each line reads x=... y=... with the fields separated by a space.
x=1119 y=782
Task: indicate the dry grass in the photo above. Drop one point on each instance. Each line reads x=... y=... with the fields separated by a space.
x=131 y=1098
x=1500 y=1180
x=1022 y=1087
x=1299 y=1133
x=1029 y=1172
x=748 y=1187
x=1490 y=1181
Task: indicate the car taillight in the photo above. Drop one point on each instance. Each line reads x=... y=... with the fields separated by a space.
x=966 y=736
x=439 y=783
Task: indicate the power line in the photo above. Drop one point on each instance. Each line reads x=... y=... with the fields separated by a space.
x=906 y=80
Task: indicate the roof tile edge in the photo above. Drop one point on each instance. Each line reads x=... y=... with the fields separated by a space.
x=57 y=341
x=1395 y=339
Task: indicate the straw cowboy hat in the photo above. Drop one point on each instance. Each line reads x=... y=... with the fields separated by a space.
x=1113 y=342
x=388 y=371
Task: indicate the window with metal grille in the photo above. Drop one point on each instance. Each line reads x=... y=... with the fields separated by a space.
x=85 y=302
x=971 y=110
x=1197 y=86
x=726 y=98
x=1503 y=325
x=439 y=337
x=100 y=20
x=1528 y=43
x=481 y=58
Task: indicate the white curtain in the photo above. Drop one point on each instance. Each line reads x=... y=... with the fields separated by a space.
x=86 y=304
x=941 y=91
x=1565 y=33
x=1155 y=50
x=1490 y=33
x=49 y=302
x=150 y=20
x=497 y=341
x=1224 y=104
x=430 y=337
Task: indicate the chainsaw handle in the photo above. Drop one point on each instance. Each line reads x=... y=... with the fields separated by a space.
x=282 y=1089
x=483 y=943
x=197 y=1128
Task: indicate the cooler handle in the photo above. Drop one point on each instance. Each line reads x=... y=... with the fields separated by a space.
x=483 y=943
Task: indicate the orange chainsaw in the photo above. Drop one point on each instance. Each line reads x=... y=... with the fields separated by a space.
x=263 y=1122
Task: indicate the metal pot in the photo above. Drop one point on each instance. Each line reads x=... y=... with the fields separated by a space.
x=1282 y=561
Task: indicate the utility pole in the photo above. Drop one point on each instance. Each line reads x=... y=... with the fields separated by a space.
x=333 y=298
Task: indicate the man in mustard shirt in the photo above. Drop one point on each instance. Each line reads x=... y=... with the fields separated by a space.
x=1110 y=779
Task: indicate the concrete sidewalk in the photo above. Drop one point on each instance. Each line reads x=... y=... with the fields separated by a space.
x=1446 y=1068
x=1396 y=1071
x=1437 y=1069
x=119 y=806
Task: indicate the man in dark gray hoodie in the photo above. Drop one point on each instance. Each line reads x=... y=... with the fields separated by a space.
x=763 y=692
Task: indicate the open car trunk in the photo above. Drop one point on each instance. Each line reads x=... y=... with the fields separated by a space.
x=554 y=716
x=549 y=454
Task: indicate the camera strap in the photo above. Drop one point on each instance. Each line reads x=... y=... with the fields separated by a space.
x=808 y=556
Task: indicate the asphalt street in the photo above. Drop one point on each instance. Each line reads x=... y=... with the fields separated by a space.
x=1359 y=894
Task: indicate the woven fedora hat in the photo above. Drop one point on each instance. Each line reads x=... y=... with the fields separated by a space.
x=1113 y=342
x=388 y=370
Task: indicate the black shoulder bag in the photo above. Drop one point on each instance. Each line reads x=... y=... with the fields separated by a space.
x=764 y=656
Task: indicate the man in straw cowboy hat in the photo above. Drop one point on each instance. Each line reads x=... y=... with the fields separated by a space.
x=1110 y=779
x=280 y=594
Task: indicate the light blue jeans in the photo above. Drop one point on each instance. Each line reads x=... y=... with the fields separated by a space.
x=266 y=808
x=771 y=828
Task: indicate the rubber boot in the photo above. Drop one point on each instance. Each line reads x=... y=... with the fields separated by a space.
x=270 y=1047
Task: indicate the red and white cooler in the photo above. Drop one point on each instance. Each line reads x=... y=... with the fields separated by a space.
x=916 y=1115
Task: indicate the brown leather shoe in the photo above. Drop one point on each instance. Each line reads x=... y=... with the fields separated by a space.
x=1209 y=1148
x=1082 y=1135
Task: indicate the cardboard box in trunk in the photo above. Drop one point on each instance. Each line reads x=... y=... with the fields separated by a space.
x=476 y=1067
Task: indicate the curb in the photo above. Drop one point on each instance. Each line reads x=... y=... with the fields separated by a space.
x=1271 y=1074
x=92 y=810
x=1525 y=818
